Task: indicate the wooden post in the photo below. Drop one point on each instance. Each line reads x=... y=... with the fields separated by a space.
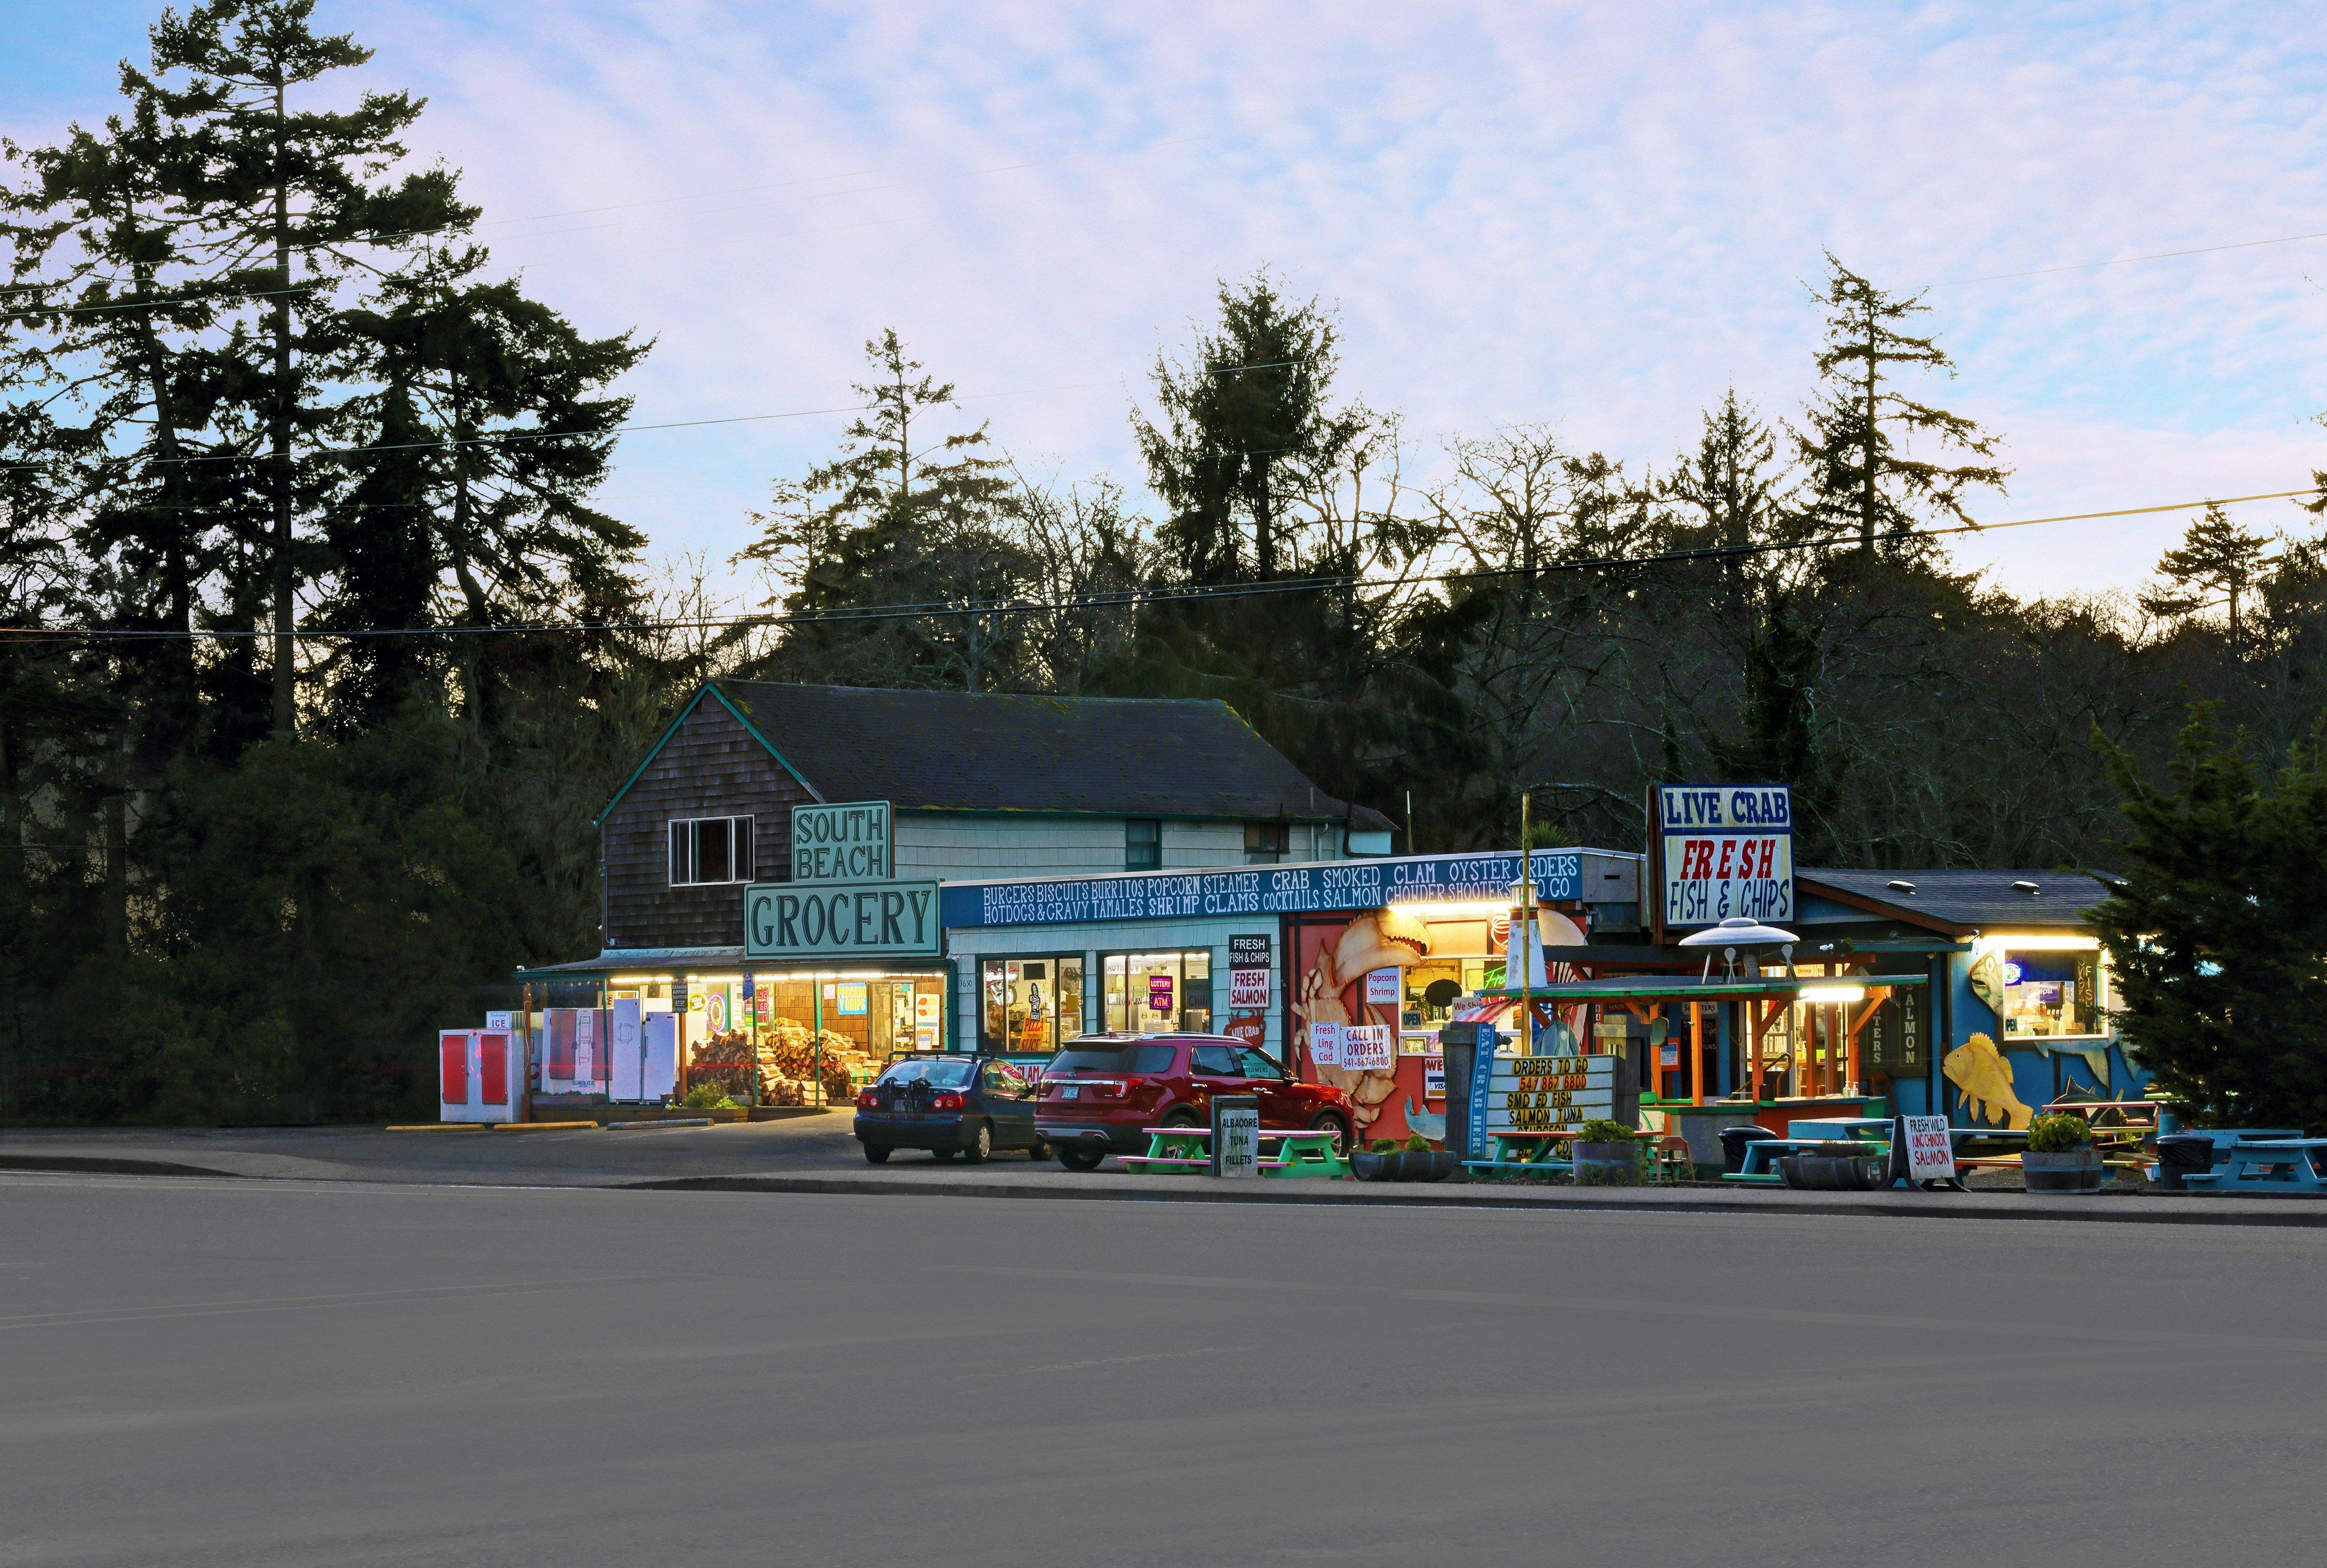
x=525 y=1053
x=1526 y=939
x=1697 y=1054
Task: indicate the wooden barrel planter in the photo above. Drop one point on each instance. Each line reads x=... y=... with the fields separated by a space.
x=2069 y=1171
x=1606 y=1165
x=1834 y=1173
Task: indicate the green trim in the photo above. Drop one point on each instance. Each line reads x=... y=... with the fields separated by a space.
x=652 y=752
x=754 y=731
x=708 y=688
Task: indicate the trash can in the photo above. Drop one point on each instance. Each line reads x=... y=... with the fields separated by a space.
x=2179 y=1155
x=1733 y=1145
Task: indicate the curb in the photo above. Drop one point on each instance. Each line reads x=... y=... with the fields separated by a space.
x=84 y=1165
x=1277 y=1192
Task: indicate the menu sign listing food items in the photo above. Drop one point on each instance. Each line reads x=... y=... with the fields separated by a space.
x=1549 y=1094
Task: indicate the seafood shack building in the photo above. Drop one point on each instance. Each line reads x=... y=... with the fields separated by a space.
x=2015 y=1013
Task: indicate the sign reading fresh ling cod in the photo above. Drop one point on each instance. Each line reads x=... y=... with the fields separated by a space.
x=884 y=920
x=1727 y=850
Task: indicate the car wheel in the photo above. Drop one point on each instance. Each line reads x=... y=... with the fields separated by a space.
x=1182 y=1117
x=943 y=1153
x=1038 y=1150
x=1329 y=1123
x=980 y=1146
x=877 y=1153
x=1075 y=1158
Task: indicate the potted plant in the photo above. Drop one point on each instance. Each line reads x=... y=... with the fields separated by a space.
x=1422 y=1162
x=1379 y=1160
x=2060 y=1156
x=1605 y=1155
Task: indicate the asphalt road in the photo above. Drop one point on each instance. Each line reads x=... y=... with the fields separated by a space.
x=200 y=1372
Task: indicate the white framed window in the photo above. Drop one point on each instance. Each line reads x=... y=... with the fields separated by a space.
x=710 y=849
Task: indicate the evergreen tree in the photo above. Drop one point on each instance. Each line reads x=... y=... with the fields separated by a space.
x=2216 y=928
x=898 y=519
x=290 y=200
x=1252 y=401
x=456 y=498
x=2217 y=563
x=1734 y=486
x=1855 y=448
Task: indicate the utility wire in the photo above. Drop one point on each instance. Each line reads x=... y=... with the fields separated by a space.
x=2129 y=260
x=1124 y=598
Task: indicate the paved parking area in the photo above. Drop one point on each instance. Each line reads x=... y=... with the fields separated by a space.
x=206 y=1372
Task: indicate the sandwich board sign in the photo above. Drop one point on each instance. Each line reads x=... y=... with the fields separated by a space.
x=1929 y=1154
x=1236 y=1135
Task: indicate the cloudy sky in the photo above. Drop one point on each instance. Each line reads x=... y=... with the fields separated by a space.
x=1597 y=216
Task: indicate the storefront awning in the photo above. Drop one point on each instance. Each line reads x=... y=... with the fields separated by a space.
x=1688 y=988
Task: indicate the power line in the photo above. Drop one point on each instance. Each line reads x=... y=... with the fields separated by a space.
x=1124 y=599
x=2129 y=260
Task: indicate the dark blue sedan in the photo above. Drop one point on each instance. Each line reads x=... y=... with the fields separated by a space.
x=950 y=1105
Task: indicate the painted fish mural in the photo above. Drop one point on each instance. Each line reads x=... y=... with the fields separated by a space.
x=1980 y=1071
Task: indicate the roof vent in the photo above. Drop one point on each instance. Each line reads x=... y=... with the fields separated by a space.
x=1899 y=885
x=2025 y=887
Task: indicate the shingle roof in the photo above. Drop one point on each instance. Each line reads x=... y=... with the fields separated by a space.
x=990 y=751
x=1969 y=899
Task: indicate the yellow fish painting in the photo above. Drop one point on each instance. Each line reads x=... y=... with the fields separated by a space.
x=1978 y=1069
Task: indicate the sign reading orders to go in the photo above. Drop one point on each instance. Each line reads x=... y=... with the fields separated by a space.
x=883 y=920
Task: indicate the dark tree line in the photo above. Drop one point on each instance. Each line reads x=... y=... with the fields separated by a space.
x=283 y=456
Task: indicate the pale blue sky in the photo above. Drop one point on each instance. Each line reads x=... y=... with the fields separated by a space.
x=1592 y=215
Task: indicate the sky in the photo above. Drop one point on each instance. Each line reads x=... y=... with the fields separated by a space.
x=1593 y=217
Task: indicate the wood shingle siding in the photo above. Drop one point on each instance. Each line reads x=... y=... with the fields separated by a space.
x=711 y=767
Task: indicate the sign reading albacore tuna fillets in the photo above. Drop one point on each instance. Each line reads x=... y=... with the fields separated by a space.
x=1726 y=850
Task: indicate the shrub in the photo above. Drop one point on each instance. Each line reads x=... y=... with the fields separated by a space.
x=1415 y=1144
x=2057 y=1134
x=708 y=1097
x=1382 y=1146
x=1601 y=1131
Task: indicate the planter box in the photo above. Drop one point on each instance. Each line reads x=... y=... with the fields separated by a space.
x=1606 y=1165
x=1835 y=1172
x=2070 y=1171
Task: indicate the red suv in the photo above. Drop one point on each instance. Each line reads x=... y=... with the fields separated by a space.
x=1101 y=1094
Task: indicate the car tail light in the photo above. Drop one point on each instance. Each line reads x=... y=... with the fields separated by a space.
x=868 y=1101
x=946 y=1103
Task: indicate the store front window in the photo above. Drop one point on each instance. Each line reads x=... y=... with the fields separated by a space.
x=1159 y=993
x=1032 y=1004
x=2051 y=992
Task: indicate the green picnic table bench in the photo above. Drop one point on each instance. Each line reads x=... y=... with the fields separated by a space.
x=1188 y=1151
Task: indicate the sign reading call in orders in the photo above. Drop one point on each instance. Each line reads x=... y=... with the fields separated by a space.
x=1727 y=850
x=855 y=841
x=1549 y=1094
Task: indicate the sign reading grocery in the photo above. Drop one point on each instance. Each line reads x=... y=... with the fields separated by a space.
x=1726 y=850
x=1547 y=1093
x=851 y=842
x=888 y=919
x=1288 y=891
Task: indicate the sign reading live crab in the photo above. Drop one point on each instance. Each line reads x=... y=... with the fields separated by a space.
x=1725 y=849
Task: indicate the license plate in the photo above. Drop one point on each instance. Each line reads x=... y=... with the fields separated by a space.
x=1069 y=1092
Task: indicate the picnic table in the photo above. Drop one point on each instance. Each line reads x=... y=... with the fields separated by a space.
x=1533 y=1153
x=2263 y=1166
x=1188 y=1151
